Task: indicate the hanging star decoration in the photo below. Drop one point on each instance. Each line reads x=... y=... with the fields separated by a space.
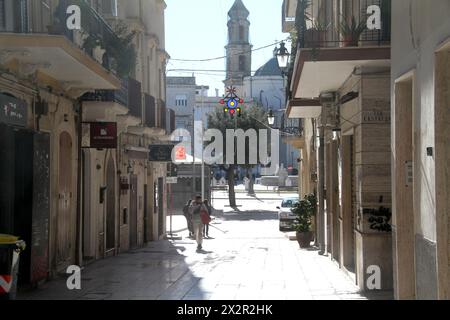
x=232 y=102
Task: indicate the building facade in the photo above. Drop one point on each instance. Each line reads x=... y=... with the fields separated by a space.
x=267 y=88
x=374 y=145
x=420 y=152
x=70 y=199
x=181 y=95
x=341 y=91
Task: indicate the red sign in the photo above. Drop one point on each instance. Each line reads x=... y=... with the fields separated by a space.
x=103 y=135
x=180 y=153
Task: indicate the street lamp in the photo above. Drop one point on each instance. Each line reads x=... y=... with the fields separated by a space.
x=282 y=55
x=271 y=118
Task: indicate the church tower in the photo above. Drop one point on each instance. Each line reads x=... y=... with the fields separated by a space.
x=239 y=56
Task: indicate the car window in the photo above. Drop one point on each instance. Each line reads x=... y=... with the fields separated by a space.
x=288 y=203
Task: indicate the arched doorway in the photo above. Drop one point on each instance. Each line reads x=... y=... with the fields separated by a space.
x=65 y=244
x=110 y=205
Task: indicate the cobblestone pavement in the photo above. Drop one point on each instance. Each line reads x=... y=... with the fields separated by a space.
x=249 y=260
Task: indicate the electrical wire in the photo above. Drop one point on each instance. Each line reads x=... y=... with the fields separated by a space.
x=224 y=57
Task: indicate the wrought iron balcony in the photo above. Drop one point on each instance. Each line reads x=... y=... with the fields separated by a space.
x=23 y=18
x=320 y=26
x=118 y=96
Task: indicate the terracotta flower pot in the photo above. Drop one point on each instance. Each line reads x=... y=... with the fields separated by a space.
x=349 y=41
x=304 y=239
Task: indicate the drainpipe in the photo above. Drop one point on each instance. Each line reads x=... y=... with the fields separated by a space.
x=78 y=247
x=321 y=192
x=327 y=100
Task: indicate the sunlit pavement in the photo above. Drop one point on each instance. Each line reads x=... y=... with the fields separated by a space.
x=249 y=259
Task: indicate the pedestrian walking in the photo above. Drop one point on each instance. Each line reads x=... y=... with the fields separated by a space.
x=188 y=217
x=197 y=208
x=206 y=226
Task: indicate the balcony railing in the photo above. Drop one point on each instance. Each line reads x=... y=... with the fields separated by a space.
x=161 y=115
x=24 y=18
x=118 y=96
x=150 y=111
x=324 y=25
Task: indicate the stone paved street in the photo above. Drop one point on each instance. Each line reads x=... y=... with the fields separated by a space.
x=250 y=260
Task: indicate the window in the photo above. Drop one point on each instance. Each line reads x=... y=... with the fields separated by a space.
x=181 y=101
x=241 y=63
x=241 y=33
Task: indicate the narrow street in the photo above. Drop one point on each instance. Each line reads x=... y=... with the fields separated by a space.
x=249 y=260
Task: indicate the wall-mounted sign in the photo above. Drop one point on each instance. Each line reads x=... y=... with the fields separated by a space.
x=376 y=116
x=161 y=153
x=180 y=153
x=99 y=135
x=172 y=180
x=13 y=111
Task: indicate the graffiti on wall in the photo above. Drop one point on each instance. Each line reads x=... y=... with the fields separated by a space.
x=379 y=219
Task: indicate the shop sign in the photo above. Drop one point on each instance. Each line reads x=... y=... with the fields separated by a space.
x=13 y=111
x=161 y=153
x=100 y=135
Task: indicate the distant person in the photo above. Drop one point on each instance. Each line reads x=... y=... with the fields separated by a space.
x=195 y=210
x=188 y=217
x=206 y=226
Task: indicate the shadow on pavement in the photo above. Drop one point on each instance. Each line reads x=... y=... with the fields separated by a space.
x=158 y=271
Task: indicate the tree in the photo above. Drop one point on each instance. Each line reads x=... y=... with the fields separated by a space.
x=252 y=117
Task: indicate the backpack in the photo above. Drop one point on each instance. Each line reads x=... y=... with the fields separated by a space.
x=204 y=216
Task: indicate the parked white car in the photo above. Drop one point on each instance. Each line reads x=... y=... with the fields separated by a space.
x=285 y=215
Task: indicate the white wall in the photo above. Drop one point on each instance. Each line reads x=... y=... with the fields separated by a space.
x=415 y=50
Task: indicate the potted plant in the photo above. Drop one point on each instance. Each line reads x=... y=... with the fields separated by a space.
x=352 y=31
x=304 y=211
x=316 y=36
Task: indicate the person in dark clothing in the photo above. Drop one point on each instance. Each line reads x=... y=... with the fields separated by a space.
x=206 y=226
x=196 y=208
x=188 y=217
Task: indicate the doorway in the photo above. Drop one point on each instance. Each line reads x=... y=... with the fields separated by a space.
x=354 y=208
x=160 y=206
x=133 y=211
x=65 y=244
x=442 y=154
x=110 y=205
x=403 y=229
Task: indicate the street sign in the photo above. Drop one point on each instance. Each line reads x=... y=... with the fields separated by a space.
x=13 y=111
x=160 y=153
x=171 y=180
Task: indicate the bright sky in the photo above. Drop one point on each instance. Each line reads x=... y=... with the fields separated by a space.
x=197 y=29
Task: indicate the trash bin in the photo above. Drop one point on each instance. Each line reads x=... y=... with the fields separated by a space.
x=10 y=249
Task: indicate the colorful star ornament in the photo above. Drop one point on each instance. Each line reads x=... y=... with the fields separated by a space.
x=232 y=102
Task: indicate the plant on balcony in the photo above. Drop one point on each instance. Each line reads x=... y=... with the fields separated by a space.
x=352 y=31
x=316 y=35
x=120 y=48
x=301 y=18
x=304 y=212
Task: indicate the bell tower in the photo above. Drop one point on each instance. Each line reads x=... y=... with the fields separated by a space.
x=239 y=56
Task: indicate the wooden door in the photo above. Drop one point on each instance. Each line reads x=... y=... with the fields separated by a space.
x=110 y=205
x=65 y=226
x=133 y=211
